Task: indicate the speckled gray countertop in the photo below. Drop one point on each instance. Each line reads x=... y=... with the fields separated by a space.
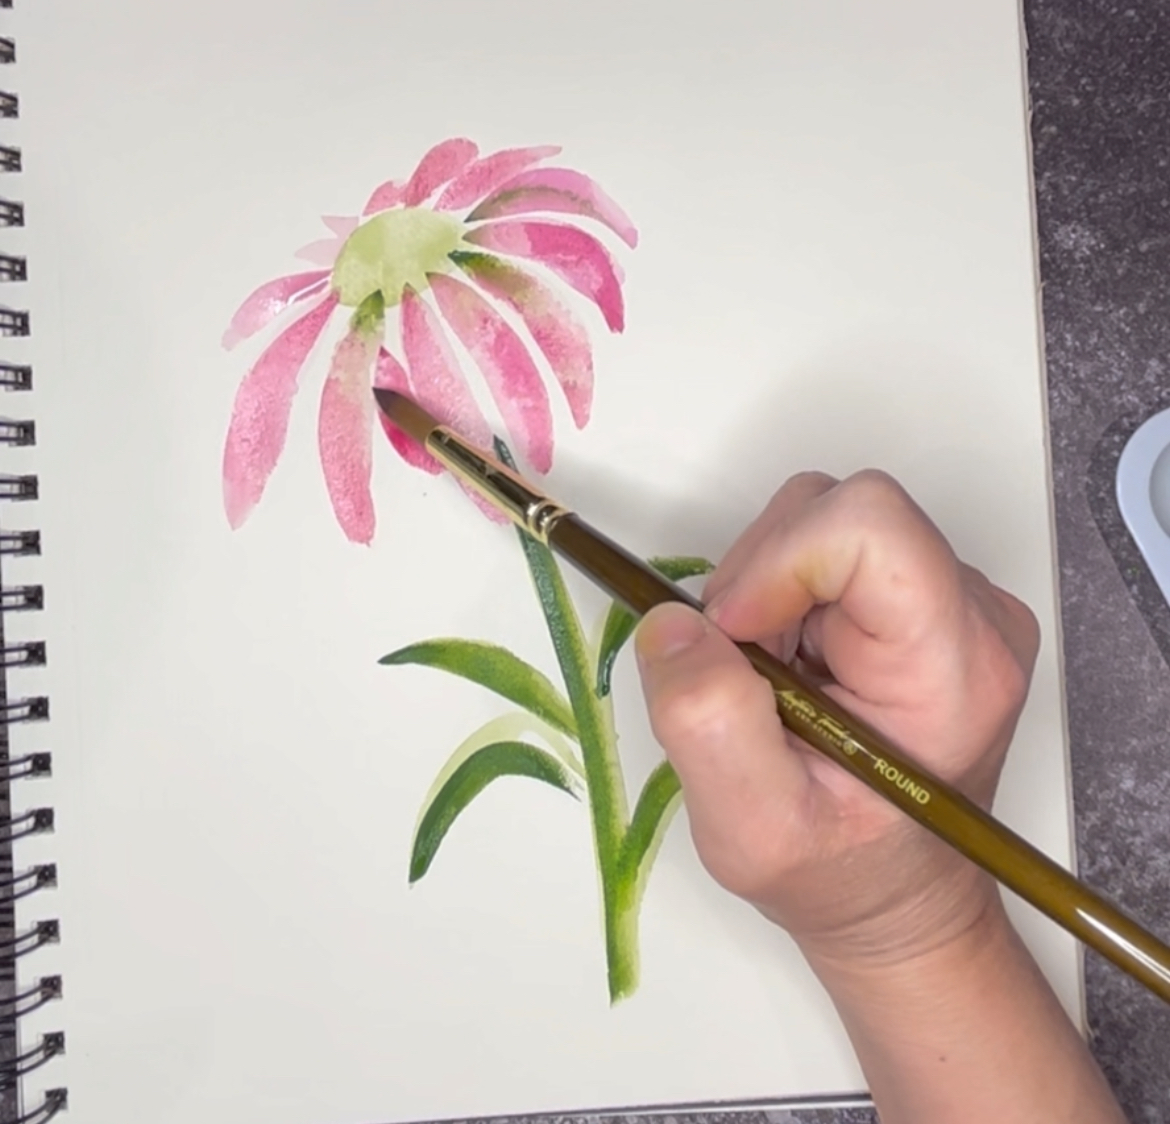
x=1099 y=75
x=1100 y=83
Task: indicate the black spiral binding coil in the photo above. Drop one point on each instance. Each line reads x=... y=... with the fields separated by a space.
x=19 y=1057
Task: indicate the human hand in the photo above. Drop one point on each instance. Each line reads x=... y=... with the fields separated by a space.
x=935 y=988
x=855 y=583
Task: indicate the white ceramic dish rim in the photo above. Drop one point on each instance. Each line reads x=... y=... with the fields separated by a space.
x=1143 y=494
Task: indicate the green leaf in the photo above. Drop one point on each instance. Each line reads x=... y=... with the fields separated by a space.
x=497 y=669
x=620 y=622
x=500 y=759
x=656 y=804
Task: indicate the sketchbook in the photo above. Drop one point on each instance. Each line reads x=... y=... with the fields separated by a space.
x=329 y=802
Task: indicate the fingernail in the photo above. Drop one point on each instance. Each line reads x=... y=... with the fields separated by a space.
x=715 y=606
x=670 y=629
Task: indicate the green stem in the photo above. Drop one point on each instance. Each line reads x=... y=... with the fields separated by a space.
x=621 y=935
x=603 y=774
x=606 y=786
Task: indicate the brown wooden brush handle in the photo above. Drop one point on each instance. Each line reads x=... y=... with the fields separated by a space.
x=857 y=747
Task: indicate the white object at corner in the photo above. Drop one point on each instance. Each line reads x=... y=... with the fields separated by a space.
x=1143 y=493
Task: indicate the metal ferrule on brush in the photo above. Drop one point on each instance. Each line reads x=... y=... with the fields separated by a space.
x=529 y=509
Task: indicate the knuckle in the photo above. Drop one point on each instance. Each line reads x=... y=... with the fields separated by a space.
x=811 y=480
x=797 y=491
x=1011 y=618
x=999 y=688
x=1012 y=679
x=875 y=505
x=873 y=488
x=1022 y=629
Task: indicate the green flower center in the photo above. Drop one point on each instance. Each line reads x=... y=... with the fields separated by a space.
x=392 y=250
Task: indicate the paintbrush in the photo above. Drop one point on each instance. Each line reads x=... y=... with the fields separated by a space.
x=808 y=712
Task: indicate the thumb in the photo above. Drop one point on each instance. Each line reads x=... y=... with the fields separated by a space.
x=745 y=786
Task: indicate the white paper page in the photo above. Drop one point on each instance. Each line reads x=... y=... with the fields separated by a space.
x=834 y=270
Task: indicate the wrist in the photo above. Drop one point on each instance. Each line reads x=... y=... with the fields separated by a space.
x=920 y=968
x=966 y=1030
x=956 y=906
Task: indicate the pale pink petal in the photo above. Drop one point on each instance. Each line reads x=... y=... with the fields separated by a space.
x=341 y=225
x=442 y=163
x=343 y=435
x=259 y=422
x=391 y=375
x=556 y=189
x=507 y=367
x=436 y=382
x=268 y=301
x=322 y=252
x=552 y=326
x=385 y=196
x=574 y=256
x=488 y=172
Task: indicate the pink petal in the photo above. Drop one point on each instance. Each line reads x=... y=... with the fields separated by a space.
x=391 y=375
x=552 y=326
x=574 y=256
x=488 y=172
x=343 y=435
x=444 y=162
x=341 y=225
x=269 y=301
x=259 y=422
x=322 y=252
x=436 y=383
x=561 y=190
x=384 y=197
x=507 y=367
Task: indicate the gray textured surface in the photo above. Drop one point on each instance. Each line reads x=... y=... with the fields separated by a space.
x=1100 y=88
x=812 y=1116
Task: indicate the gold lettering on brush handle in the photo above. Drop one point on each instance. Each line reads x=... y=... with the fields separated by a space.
x=804 y=714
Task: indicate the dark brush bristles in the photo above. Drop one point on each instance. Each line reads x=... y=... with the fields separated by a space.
x=412 y=419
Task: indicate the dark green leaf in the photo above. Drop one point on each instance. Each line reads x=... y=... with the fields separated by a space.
x=620 y=622
x=500 y=759
x=497 y=669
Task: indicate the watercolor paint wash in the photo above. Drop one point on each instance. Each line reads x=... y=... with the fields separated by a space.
x=454 y=214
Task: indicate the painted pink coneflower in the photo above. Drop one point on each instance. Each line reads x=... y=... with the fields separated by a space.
x=440 y=247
